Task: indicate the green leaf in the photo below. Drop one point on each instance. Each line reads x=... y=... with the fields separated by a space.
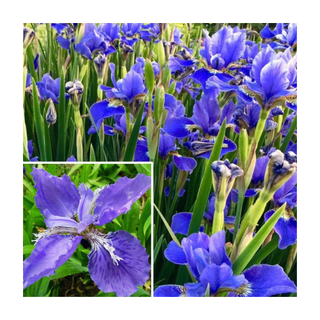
x=206 y=183
x=289 y=135
x=68 y=269
x=146 y=212
x=157 y=248
x=38 y=120
x=249 y=251
x=28 y=249
x=61 y=146
x=131 y=147
x=131 y=218
x=173 y=236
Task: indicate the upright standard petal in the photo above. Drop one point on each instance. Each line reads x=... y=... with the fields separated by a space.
x=119 y=197
x=49 y=254
x=132 y=85
x=118 y=262
x=59 y=195
x=217 y=249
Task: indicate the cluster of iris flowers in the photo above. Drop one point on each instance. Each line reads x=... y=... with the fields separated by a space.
x=214 y=110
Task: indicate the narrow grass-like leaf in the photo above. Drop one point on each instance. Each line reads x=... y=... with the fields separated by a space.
x=131 y=147
x=288 y=137
x=38 y=122
x=249 y=251
x=146 y=212
x=264 y=251
x=61 y=120
x=157 y=248
x=173 y=236
x=205 y=186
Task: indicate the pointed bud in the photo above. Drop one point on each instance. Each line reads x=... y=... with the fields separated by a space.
x=28 y=36
x=100 y=64
x=51 y=116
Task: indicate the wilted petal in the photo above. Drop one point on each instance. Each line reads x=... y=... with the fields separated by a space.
x=122 y=273
x=49 y=254
x=59 y=195
x=119 y=197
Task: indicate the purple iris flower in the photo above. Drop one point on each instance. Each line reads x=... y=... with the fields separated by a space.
x=284 y=36
x=272 y=75
x=100 y=111
x=117 y=261
x=210 y=265
x=149 y=31
x=71 y=159
x=224 y=47
x=49 y=88
x=207 y=119
x=111 y=31
x=130 y=29
x=128 y=89
x=93 y=41
x=66 y=34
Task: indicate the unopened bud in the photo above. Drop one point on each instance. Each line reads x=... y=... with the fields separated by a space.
x=75 y=91
x=100 y=64
x=223 y=177
x=278 y=171
x=51 y=116
x=28 y=36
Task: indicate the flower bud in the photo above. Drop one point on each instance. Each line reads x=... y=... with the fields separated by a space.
x=28 y=36
x=51 y=116
x=75 y=91
x=100 y=64
x=278 y=170
x=223 y=176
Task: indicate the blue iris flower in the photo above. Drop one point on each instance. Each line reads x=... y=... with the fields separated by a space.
x=93 y=41
x=127 y=89
x=117 y=261
x=49 y=88
x=224 y=47
x=207 y=260
x=284 y=36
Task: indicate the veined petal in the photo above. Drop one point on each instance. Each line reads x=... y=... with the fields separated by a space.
x=217 y=249
x=118 y=262
x=101 y=110
x=57 y=221
x=195 y=240
x=48 y=255
x=175 y=254
x=273 y=78
x=185 y=163
x=178 y=127
x=265 y=281
x=169 y=291
x=220 y=277
x=132 y=85
x=59 y=195
x=119 y=197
